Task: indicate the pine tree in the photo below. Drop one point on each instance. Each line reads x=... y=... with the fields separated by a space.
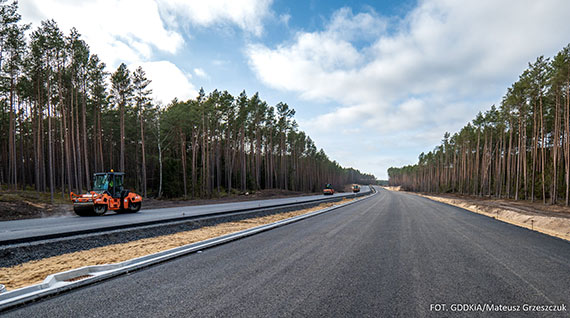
x=122 y=92
x=142 y=102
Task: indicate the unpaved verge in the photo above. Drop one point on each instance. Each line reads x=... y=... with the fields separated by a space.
x=551 y=220
x=17 y=205
x=34 y=272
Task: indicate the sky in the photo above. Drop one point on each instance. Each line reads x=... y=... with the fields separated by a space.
x=373 y=83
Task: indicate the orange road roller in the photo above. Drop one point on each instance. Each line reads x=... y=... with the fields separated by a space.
x=328 y=190
x=107 y=194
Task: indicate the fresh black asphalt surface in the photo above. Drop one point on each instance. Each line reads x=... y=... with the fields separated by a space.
x=392 y=255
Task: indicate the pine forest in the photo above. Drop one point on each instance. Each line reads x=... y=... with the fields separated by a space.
x=518 y=150
x=64 y=116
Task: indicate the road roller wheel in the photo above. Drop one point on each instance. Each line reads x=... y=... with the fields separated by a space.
x=99 y=209
x=83 y=210
x=134 y=207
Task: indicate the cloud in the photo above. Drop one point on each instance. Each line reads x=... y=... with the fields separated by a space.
x=146 y=32
x=284 y=18
x=168 y=81
x=428 y=72
x=118 y=31
x=200 y=72
x=246 y=14
x=125 y=31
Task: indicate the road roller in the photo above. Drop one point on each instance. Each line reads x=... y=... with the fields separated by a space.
x=328 y=190
x=107 y=194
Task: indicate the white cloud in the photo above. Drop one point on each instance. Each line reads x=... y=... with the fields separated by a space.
x=117 y=30
x=200 y=72
x=168 y=81
x=430 y=73
x=246 y=14
x=284 y=18
x=121 y=31
x=138 y=32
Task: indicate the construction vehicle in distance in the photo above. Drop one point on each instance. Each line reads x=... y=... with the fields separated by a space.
x=328 y=190
x=355 y=188
x=107 y=194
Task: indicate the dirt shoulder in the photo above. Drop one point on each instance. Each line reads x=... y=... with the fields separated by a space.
x=17 y=205
x=553 y=220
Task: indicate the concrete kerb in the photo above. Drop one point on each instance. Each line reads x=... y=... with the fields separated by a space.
x=65 y=281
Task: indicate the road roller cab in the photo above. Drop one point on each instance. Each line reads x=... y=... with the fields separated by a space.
x=108 y=194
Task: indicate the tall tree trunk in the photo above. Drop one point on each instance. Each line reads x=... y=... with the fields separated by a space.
x=567 y=128
x=243 y=161
x=65 y=133
x=257 y=158
x=85 y=147
x=555 y=142
x=534 y=151
x=50 y=143
x=73 y=144
x=194 y=158
x=78 y=143
x=100 y=140
x=218 y=164
x=490 y=169
x=12 y=172
x=203 y=174
x=524 y=163
x=122 y=144
x=143 y=168
x=183 y=159
x=509 y=154
x=518 y=170
x=159 y=145
x=477 y=161
x=543 y=156
x=62 y=145
x=229 y=160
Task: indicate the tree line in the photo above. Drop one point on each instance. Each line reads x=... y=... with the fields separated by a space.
x=518 y=150
x=63 y=116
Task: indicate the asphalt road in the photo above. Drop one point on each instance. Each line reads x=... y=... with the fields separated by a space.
x=12 y=230
x=393 y=255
